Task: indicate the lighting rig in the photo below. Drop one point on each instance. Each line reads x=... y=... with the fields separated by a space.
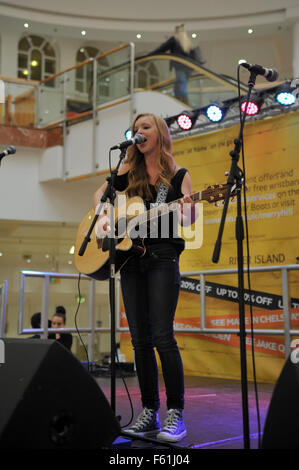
x=262 y=103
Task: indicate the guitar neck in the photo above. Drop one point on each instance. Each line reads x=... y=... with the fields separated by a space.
x=164 y=209
x=211 y=194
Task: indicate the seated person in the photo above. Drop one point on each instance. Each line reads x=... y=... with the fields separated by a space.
x=58 y=321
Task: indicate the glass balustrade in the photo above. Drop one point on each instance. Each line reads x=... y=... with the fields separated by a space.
x=78 y=83
x=20 y=99
x=106 y=79
x=202 y=91
x=204 y=86
x=113 y=77
x=51 y=103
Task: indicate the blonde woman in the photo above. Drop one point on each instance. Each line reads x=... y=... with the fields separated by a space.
x=179 y=44
x=151 y=283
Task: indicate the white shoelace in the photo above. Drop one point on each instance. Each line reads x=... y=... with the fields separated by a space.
x=144 y=418
x=173 y=419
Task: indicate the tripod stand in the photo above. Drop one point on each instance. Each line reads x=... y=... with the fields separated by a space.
x=109 y=194
x=236 y=177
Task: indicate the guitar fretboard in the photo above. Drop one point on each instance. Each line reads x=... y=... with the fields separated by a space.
x=161 y=210
x=211 y=194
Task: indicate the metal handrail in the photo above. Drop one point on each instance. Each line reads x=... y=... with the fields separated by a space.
x=287 y=332
x=227 y=82
x=44 y=330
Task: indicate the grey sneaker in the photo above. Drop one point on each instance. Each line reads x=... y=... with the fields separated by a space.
x=147 y=423
x=174 y=428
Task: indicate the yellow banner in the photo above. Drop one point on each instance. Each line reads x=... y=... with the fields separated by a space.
x=272 y=181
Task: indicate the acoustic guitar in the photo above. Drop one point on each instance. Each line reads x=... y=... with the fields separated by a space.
x=130 y=220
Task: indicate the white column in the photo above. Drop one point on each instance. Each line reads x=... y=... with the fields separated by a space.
x=9 y=54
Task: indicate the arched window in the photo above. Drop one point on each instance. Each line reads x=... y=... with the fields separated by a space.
x=84 y=74
x=146 y=74
x=36 y=58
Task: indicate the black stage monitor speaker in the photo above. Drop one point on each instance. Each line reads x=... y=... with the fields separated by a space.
x=48 y=400
x=281 y=426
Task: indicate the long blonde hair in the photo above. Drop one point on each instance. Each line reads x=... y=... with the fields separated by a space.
x=138 y=176
x=182 y=37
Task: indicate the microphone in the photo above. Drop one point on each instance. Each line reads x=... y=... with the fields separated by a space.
x=137 y=139
x=270 y=74
x=9 y=151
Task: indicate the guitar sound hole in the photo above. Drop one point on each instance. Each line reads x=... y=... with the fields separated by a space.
x=106 y=245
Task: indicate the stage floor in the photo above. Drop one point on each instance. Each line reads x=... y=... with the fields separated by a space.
x=213 y=411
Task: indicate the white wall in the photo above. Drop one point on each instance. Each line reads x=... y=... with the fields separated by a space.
x=221 y=54
x=31 y=184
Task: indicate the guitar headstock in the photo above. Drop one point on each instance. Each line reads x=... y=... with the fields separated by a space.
x=217 y=193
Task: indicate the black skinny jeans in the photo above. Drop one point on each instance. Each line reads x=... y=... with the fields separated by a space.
x=150 y=287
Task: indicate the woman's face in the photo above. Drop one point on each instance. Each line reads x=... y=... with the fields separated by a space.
x=57 y=322
x=146 y=126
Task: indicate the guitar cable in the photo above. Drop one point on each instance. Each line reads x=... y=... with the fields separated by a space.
x=116 y=356
x=76 y=325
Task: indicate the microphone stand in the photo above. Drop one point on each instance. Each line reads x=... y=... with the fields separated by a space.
x=235 y=177
x=109 y=194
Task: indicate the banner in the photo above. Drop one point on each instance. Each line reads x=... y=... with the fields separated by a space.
x=222 y=291
x=272 y=182
x=272 y=201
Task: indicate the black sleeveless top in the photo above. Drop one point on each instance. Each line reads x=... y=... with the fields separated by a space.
x=174 y=193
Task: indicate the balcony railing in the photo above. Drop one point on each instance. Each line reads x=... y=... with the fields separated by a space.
x=287 y=330
x=106 y=80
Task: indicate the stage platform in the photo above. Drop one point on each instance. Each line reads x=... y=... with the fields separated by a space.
x=213 y=412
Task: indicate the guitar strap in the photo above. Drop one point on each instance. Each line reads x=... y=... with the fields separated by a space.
x=161 y=195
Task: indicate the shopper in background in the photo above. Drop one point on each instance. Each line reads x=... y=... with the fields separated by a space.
x=178 y=44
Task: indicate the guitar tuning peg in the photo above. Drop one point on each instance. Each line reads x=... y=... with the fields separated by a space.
x=226 y=173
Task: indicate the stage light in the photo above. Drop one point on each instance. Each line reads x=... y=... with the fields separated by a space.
x=284 y=95
x=215 y=112
x=186 y=120
x=128 y=134
x=253 y=107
